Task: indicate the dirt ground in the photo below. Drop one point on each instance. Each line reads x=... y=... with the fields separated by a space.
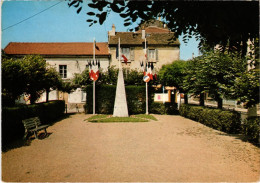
x=172 y=149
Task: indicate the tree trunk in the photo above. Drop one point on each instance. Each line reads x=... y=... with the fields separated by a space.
x=202 y=102
x=47 y=94
x=186 y=98
x=33 y=97
x=175 y=96
x=220 y=103
x=252 y=111
x=244 y=47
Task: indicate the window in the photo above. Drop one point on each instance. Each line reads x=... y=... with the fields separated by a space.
x=63 y=71
x=83 y=96
x=152 y=54
x=126 y=52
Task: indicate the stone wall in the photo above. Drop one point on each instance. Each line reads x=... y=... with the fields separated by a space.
x=166 y=55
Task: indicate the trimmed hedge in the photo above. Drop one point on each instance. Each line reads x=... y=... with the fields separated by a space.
x=251 y=129
x=226 y=121
x=12 y=127
x=105 y=99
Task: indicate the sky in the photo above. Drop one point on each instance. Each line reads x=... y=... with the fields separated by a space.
x=55 y=21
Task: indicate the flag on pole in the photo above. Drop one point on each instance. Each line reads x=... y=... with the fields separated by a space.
x=155 y=76
x=95 y=45
x=143 y=68
x=94 y=70
x=125 y=59
x=149 y=71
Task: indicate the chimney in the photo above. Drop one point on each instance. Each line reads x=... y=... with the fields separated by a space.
x=113 y=31
x=143 y=33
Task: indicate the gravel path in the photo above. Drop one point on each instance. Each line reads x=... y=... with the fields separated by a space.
x=172 y=149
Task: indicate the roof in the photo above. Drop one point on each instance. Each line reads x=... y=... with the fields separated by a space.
x=62 y=48
x=152 y=38
x=154 y=29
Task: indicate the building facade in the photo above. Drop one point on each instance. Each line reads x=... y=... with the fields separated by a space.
x=161 y=45
x=68 y=59
x=71 y=58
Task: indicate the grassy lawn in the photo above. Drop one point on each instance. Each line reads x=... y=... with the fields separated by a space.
x=118 y=119
x=101 y=118
x=96 y=117
x=146 y=116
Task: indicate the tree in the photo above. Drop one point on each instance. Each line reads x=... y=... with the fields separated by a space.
x=228 y=24
x=13 y=80
x=247 y=88
x=30 y=75
x=51 y=81
x=132 y=77
x=215 y=73
x=35 y=70
x=194 y=81
x=173 y=75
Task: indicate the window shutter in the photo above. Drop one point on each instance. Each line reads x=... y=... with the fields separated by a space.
x=132 y=54
x=117 y=53
x=156 y=52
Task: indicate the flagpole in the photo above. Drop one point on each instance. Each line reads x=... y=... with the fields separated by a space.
x=146 y=84
x=94 y=83
x=119 y=54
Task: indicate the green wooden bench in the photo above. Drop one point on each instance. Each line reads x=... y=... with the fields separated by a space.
x=33 y=125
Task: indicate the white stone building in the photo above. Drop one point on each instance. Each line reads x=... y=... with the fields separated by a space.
x=68 y=59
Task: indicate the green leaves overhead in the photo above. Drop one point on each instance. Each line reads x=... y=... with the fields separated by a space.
x=224 y=23
x=115 y=8
x=91 y=13
x=76 y=4
x=102 y=18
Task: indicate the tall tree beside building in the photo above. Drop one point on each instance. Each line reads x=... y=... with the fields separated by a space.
x=30 y=75
x=13 y=80
x=214 y=73
x=173 y=75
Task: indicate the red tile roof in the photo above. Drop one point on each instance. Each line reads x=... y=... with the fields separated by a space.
x=73 y=48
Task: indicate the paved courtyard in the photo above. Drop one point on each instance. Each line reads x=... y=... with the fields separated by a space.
x=172 y=149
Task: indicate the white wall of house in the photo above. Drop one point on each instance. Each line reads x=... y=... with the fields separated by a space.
x=73 y=65
x=78 y=96
x=53 y=95
x=76 y=64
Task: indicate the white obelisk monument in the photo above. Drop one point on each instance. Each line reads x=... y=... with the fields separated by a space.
x=120 y=106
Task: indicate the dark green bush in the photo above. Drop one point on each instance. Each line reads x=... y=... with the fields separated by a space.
x=136 y=102
x=135 y=96
x=12 y=127
x=251 y=129
x=105 y=98
x=227 y=121
x=160 y=108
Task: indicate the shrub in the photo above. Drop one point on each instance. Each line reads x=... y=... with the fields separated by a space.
x=135 y=95
x=12 y=127
x=105 y=98
x=251 y=129
x=227 y=121
x=160 y=108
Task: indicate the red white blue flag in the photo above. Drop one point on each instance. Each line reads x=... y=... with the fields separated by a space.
x=94 y=70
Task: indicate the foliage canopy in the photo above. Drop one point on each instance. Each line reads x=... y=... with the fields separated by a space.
x=225 y=23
